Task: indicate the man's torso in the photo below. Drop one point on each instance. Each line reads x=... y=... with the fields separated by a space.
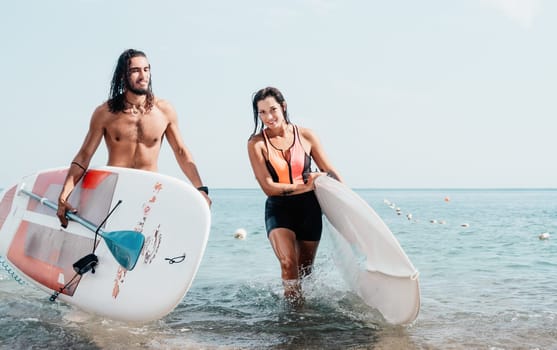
x=134 y=140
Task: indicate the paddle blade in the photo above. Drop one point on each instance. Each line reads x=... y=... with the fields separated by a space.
x=125 y=246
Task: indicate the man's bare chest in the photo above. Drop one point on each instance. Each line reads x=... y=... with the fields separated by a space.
x=142 y=128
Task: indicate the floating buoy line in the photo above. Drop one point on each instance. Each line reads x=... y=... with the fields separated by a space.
x=410 y=217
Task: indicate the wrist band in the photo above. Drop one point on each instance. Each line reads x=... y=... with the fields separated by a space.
x=204 y=189
x=79 y=165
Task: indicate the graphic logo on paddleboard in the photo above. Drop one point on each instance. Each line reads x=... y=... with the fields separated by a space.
x=152 y=242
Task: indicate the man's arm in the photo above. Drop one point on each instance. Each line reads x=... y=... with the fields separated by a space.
x=80 y=163
x=181 y=152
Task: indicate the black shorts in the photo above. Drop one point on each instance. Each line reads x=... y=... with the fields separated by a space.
x=300 y=213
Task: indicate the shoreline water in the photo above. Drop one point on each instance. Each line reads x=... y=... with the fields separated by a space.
x=486 y=286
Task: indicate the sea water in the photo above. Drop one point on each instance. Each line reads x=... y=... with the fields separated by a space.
x=487 y=282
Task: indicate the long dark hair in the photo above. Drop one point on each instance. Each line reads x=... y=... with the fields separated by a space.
x=116 y=99
x=262 y=94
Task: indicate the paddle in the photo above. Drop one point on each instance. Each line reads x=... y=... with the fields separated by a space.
x=125 y=246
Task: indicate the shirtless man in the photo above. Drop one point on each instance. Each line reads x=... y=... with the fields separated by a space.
x=133 y=123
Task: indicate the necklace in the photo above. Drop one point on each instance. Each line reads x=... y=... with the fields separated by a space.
x=135 y=110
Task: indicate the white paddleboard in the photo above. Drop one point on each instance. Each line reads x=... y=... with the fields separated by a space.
x=368 y=254
x=171 y=214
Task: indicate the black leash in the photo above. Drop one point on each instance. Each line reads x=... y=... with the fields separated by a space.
x=88 y=262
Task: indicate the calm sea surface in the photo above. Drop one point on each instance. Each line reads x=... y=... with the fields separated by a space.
x=491 y=285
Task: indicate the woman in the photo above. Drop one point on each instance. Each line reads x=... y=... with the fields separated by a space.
x=280 y=154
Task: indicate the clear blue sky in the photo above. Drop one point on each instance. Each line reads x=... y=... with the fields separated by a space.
x=402 y=93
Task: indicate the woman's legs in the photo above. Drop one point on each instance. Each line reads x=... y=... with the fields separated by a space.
x=306 y=255
x=295 y=258
x=284 y=244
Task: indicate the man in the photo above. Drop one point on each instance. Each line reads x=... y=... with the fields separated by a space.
x=133 y=123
